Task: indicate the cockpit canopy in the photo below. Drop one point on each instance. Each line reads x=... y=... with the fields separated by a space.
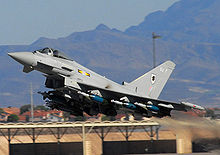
x=52 y=52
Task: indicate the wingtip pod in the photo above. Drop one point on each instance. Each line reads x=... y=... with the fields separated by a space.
x=170 y=64
x=194 y=106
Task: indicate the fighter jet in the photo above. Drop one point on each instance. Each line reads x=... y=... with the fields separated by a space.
x=77 y=89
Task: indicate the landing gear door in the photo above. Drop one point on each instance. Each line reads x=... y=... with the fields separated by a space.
x=52 y=82
x=70 y=82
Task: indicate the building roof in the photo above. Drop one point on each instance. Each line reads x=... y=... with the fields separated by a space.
x=37 y=113
x=12 y=110
x=42 y=113
x=55 y=115
x=22 y=118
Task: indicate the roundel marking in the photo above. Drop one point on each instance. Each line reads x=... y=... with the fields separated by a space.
x=153 y=78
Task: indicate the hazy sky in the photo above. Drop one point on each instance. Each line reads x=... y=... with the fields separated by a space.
x=24 y=21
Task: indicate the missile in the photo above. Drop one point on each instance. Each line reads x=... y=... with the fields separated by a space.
x=153 y=108
x=93 y=97
x=117 y=102
x=150 y=107
x=97 y=98
x=126 y=104
x=67 y=96
x=166 y=105
x=130 y=106
x=82 y=93
x=191 y=105
x=140 y=105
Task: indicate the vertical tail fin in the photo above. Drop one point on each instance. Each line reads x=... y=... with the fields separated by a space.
x=152 y=83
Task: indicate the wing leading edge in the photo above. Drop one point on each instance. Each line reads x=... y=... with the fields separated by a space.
x=161 y=107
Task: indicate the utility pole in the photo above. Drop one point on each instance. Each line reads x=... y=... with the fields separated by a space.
x=32 y=102
x=154 y=36
x=84 y=138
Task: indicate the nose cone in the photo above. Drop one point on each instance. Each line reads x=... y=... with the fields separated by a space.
x=25 y=58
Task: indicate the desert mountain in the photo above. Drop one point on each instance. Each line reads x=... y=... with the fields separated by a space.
x=190 y=37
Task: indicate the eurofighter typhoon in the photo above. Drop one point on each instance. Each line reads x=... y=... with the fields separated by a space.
x=77 y=89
